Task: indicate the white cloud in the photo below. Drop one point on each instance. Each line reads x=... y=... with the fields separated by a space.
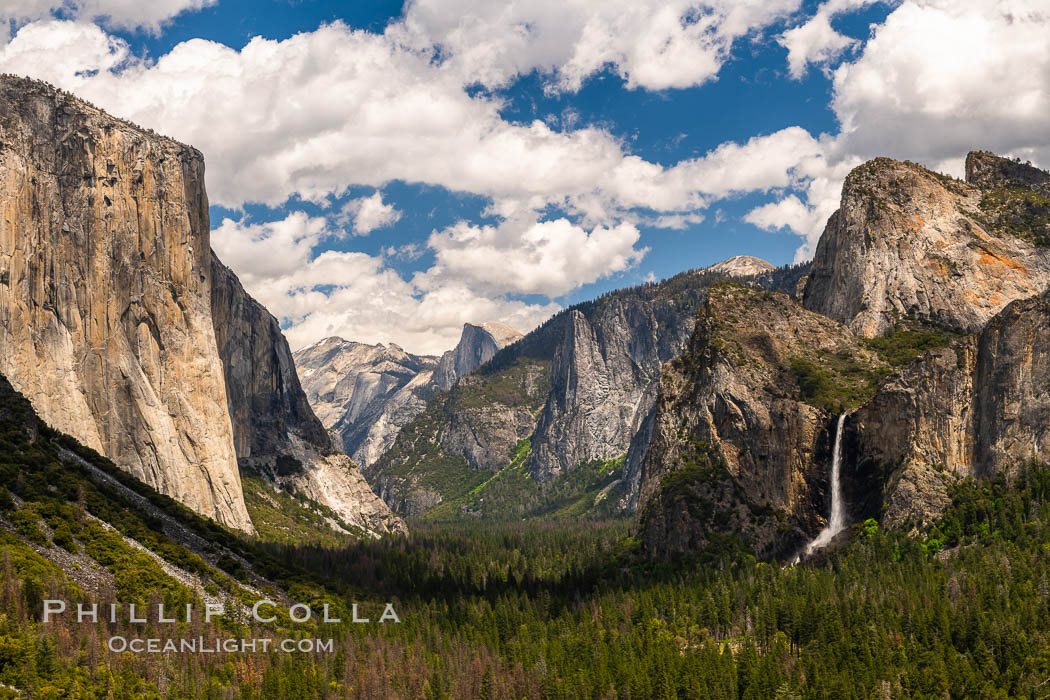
x=322 y=111
x=937 y=79
x=354 y=295
x=941 y=77
x=530 y=257
x=676 y=222
x=124 y=14
x=813 y=42
x=366 y=214
x=268 y=251
x=820 y=182
x=652 y=44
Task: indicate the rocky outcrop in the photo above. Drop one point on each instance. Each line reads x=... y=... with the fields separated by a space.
x=270 y=413
x=979 y=408
x=581 y=387
x=909 y=242
x=989 y=172
x=740 y=440
x=477 y=345
x=462 y=437
x=364 y=394
x=105 y=294
x=275 y=430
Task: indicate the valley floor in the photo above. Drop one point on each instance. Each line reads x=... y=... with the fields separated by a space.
x=568 y=610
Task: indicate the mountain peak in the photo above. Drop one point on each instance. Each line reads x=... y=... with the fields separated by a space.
x=742 y=266
x=476 y=346
x=502 y=333
x=907 y=241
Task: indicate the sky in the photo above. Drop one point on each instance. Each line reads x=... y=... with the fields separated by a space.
x=387 y=171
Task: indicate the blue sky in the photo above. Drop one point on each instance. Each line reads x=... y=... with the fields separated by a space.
x=386 y=172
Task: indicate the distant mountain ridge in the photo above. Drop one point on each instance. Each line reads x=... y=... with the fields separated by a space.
x=364 y=394
x=570 y=396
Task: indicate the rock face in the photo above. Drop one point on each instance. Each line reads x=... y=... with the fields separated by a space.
x=477 y=345
x=105 y=294
x=909 y=242
x=274 y=428
x=740 y=439
x=365 y=394
x=989 y=172
x=742 y=266
x=270 y=413
x=462 y=437
x=979 y=408
x=603 y=380
x=739 y=445
x=123 y=330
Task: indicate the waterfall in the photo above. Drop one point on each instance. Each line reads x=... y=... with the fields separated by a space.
x=837 y=522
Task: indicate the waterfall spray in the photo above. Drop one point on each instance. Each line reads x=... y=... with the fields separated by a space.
x=837 y=522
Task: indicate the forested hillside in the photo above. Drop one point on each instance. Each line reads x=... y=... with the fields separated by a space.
x=521 y=610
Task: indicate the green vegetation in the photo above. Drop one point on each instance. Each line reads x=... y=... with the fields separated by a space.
x=519 y=384
x=564 y=609
x=908 y=339
x=569 y=611
x=835 y=382
x=291 y=519
x=1018 y=211
x=419 y=458
x=512 y=494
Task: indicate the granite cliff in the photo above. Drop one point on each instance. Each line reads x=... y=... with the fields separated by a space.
x=906 y=241
x=276 y=433
x=740 y=438
x=477 y=345
x=976 y=409
x=105 y=294
x=934 y=314
x=123 y=331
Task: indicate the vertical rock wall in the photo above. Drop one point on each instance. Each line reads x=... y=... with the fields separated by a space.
x=105 y=294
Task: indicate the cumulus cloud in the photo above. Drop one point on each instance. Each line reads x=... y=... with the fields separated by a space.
x=941 y=77
x=315 y=114
x=676 y=222
x=819 y=184
x=354 y=295
x=530 y=257
x=323 y=111
x=937 y=79
x=366 y=214
x=652 y=44
x=813 y=42
x=123 y=14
